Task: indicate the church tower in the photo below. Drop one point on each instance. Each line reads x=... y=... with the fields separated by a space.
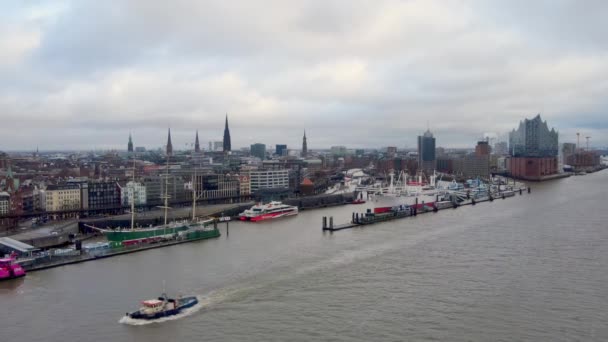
x=169 y=145
x=130 y=144
x=197 y=145
x=304 y=146
x=227 y=145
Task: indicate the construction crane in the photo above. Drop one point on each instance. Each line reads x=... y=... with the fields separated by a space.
x=587 y=142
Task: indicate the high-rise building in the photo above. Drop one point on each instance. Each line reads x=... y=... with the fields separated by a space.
x=426 y=152
x=197 y=145
x=169 y=145
x=534 y=150
x=258 y=150
x=501 y=148
x=568 y=149
x=281 y=150
x=226 y=143
x=391 y=151
x=304 y=146
x=130 y=144
x=482 y=148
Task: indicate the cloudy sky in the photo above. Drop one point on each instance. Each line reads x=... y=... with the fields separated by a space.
x=82 y=74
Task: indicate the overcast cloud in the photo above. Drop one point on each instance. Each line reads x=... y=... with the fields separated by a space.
x=82 y=74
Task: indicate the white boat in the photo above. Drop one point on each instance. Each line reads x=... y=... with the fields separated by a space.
x=405 y=192
x=267 y=211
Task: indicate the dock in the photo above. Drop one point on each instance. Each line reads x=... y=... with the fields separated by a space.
x=80 y=256
x=369 y=218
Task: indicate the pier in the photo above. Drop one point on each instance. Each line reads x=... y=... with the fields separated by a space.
x=369 y=218
x=80 y=256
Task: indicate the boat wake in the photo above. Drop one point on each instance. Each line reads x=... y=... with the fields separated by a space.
x=202 y=302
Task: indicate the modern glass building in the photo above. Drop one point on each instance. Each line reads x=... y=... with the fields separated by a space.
x=426 y=152
x=533 y=139
x=534 y=149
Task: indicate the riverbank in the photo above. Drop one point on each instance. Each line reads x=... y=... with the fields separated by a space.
x=38 y=264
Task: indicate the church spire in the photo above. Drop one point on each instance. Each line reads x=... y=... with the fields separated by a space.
x=130 y=144
x=227 y=144
x=197 y=145
x=169 y=145
x=304 y=146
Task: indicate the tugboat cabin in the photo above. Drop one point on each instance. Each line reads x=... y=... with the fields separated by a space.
x=152 y=306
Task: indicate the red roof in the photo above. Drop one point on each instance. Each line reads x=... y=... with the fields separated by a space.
x=306 y=181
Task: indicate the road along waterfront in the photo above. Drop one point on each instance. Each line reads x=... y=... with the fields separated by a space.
x=531 y=268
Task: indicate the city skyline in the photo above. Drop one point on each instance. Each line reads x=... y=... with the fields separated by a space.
x=470 y=67
x=184 y=145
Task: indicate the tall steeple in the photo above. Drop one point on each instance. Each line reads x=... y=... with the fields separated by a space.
x=227 y=145
x=197 y=146
x=304 y=146
x=10 y=181
x=130 y=144
x=169 y=145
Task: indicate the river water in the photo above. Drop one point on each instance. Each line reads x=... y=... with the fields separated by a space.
x=529 y=268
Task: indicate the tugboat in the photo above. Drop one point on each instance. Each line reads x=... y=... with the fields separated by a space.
x=163 y=306
x=9 y=269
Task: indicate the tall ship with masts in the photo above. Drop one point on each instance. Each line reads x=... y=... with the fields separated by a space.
x=190 y=229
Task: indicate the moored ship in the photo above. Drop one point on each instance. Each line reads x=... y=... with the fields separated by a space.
x=387 y=202
x=158 y=232
x=414 y=193
x=9 y=269
x=271 y=210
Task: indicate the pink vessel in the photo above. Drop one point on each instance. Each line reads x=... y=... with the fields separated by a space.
x=9 y=269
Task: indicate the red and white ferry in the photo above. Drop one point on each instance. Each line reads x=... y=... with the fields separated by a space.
x=271 y=210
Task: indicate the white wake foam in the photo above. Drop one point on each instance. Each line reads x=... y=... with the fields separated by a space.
x=202 y=302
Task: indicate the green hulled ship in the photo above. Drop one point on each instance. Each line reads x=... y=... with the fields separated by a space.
x=164 y=231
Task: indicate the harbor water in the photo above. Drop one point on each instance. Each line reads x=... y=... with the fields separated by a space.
x=529 y=268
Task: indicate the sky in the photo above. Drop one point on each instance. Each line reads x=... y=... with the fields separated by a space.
x=359 y=73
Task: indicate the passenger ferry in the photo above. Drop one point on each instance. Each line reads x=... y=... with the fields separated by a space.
x=271 y=210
